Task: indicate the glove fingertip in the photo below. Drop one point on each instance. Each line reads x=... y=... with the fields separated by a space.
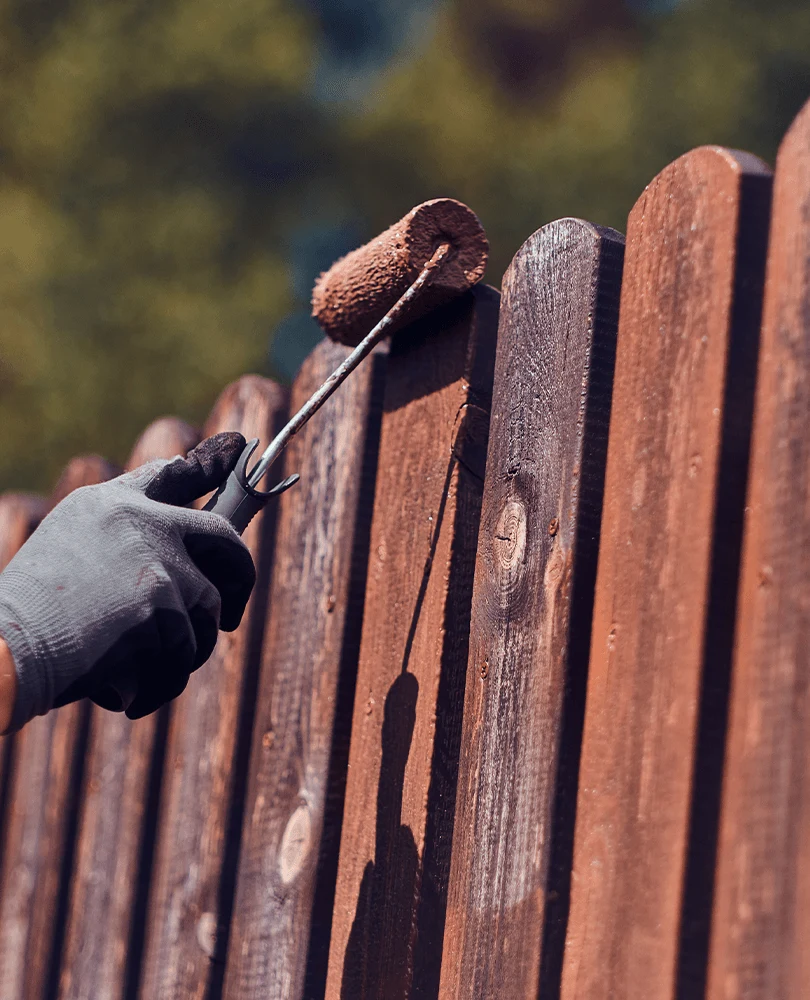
x=204 y=469
x=224 y=447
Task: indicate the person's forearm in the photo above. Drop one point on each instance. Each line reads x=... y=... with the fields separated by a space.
x=8 y=686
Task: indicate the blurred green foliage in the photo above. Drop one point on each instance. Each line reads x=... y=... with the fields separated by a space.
x=175 y=172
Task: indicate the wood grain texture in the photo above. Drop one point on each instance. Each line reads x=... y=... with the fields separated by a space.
x=397 y=828
x=288 y=864
x=761 y=922
x=665 y=597
x=104 y=921
x=207 y=758
x=531 y=614
x=42 y=800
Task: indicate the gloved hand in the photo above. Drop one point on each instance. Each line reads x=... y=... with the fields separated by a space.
x=123 y=587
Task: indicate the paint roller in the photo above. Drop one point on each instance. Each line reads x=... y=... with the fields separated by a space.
x=435 y=253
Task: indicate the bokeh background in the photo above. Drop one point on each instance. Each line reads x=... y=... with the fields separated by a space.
x=175 y=173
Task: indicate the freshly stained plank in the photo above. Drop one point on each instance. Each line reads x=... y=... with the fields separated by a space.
x=43 y=795
x=665 y=595
x=288 y=862
x=531 y=614
x=206 y=761
x=761 y=922
x=105 y=906
x=400 y=794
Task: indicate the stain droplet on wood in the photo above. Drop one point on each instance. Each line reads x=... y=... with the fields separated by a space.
x=553 y=526
x=485 y=669
x=765 y=576
x=268 y=739
x=331 y=601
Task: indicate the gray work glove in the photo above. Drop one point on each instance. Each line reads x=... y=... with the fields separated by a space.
x=122 y=588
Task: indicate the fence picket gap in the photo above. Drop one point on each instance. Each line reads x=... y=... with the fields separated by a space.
x=761 y=920
x=664 y=606
x=531 y=613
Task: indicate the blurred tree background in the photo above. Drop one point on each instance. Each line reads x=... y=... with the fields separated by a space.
x=176 y=172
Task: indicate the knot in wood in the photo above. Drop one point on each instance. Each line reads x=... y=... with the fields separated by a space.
x=510 y=538
x=207 y=933
x=295 y=845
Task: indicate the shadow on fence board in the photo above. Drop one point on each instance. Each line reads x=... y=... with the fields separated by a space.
x=397 y=826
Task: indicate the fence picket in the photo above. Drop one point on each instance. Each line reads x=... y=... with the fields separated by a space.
x=761 y=920
x=288 y=861
x=531 y=614
x=664 y=606
x=395 y=844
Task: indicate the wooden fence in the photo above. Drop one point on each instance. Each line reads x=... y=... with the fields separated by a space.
x=521 y=704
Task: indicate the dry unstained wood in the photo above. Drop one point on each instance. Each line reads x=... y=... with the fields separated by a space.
x=531 y=614
x=761 y=922
x=43 y=790
x=206 y=761
x=397 y=826
x=105 y=907
x=288 y=862
x=665 y=596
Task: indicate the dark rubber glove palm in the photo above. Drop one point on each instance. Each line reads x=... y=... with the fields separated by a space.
x=120 y=592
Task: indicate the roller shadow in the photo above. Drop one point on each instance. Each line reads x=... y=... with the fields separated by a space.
x=380 y=938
